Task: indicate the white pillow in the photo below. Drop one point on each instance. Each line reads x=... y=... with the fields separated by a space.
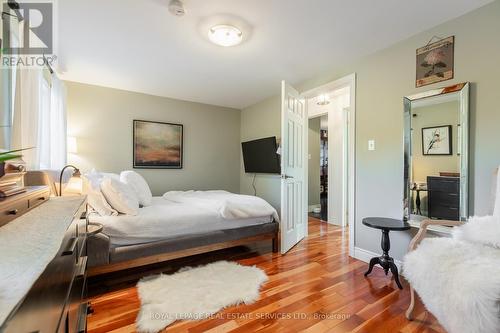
x=120 y=196
x=139 y=185
x=481 y=230
x=111 y=175
x=96 y=200
x=95 y=177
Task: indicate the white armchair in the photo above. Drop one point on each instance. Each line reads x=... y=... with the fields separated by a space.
x=458 y=278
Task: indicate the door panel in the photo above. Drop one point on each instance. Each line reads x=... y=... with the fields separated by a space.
x=293 y=196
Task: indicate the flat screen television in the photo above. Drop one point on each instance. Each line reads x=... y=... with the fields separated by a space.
x=261 y=156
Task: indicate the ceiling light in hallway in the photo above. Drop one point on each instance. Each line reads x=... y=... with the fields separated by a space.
x=225 y=35
x=323 y=100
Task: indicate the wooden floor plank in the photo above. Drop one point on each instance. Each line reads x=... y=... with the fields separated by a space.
x=316 y=287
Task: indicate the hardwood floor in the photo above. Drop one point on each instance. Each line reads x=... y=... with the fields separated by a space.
x=316 y=287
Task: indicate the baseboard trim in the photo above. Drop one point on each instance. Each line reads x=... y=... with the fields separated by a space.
x=365 y=255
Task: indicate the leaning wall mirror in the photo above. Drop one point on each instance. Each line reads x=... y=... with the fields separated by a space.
x=436 y=158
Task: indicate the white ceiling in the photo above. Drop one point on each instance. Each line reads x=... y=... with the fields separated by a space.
x=137 y=45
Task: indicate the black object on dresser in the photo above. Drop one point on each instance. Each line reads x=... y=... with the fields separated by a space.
x=56 y=302
x=386 y=261
x=444 y=197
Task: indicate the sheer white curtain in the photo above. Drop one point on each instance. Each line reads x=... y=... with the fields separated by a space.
x=57 y=134
x=8 y=82
x=26 y=129
x=40 y=119
x=52 y=125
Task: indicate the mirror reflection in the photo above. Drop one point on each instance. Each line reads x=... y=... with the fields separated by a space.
x=435 y=168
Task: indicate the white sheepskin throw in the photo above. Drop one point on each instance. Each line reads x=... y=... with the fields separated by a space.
x=459 y=282
x=196 y=293
x=481 y=230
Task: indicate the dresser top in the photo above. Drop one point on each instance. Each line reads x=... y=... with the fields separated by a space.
x=28 y=244
x=30 y=190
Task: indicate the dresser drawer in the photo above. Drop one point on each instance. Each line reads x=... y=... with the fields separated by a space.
x=81 y=231
x=14 y=206
x=13 y=211
x=76 y=300
x=444 y=212
x=38 y=200
x=443 y=184
x=445 y=198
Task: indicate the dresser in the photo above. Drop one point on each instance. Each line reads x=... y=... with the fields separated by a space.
x=19 y=204
x=444 y=197
x=55 y=301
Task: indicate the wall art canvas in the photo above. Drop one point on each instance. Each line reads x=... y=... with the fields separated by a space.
x=436 y=140
x=157 y=145
x=435 y=62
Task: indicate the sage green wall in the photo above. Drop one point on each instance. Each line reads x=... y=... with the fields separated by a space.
x=260 y=121
x=314 y=160
x=382 y=80
x=101 y=120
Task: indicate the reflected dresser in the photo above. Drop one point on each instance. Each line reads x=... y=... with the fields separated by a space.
x=444 y=198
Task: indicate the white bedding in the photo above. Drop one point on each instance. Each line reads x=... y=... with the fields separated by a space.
x=228 y=205
x=167 y=219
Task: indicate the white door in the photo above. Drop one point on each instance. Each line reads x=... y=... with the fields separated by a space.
x=293 y=167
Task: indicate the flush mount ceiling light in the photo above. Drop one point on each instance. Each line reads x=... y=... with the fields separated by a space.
x=323 y=100
x=225 y=35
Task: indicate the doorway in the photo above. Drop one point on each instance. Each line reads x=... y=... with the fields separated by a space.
x=318 y=168
x=331 y=107
x=336 y=100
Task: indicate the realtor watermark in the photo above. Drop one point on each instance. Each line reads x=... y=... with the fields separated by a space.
x=251 y=316
x=27 y=34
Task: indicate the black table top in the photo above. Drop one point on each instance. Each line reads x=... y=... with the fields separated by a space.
x=386 y=223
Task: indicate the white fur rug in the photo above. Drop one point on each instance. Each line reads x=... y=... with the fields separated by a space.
x=196 y=293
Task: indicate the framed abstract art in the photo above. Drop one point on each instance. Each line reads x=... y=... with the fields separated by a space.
x=157 y=145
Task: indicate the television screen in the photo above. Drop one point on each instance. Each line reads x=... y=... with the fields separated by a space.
x=260 y=156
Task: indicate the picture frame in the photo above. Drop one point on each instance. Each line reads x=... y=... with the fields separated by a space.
x=437 y=141
x=157 y=145
x=435 y=62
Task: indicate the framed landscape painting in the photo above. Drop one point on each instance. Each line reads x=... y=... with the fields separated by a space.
x=157 y=145
x=436 y=140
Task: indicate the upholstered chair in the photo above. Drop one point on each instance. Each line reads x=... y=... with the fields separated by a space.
x=458 y=277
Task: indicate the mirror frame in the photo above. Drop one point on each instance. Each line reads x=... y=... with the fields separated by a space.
x=462 y=90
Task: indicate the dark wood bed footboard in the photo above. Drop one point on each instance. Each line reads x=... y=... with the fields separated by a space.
x=118 y=266
x=276 y=243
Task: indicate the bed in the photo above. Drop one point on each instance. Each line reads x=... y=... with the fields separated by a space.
x=175 y=226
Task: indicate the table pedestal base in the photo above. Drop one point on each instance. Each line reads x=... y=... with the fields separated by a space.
x=385 y=260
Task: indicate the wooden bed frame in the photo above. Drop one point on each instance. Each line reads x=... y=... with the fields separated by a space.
x=114 y=267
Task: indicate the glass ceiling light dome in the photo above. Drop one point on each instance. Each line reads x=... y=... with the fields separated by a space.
x=225 y=35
